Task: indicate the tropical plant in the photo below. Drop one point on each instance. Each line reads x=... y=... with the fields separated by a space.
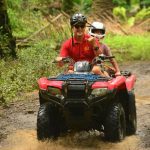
x=142 y=15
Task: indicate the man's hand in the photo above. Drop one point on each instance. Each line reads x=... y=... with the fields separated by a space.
x=117 y=73
x=59 y=60
x=92 y=41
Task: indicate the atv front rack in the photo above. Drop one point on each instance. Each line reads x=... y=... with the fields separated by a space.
x=88 y=77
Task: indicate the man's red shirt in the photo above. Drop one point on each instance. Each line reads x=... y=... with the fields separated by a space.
x=78 y=51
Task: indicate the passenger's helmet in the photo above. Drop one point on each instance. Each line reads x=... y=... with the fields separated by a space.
x=78 y=19
x=97 y=26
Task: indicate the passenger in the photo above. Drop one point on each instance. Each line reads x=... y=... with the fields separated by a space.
x=97 y=29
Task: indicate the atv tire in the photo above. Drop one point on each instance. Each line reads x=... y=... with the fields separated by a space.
x=41 y=100
x=115 y=124
x=47 y=122
x=131 y=117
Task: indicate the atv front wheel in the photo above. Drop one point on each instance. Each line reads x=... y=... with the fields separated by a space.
x=115 y=124
x=41 y=100
x=47 y=122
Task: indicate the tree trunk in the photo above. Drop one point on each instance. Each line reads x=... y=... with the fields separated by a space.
x=7 y=41
x=103 y=9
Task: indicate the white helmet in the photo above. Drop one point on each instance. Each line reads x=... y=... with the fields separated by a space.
x=97 y=26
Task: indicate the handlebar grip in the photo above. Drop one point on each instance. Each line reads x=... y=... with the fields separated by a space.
x=103 y=57
x=66 y=61
x=54 y=61
x=110 y=57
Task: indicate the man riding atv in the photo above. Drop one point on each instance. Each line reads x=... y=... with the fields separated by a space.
x=80 y=46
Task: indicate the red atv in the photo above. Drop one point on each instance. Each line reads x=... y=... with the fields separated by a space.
x=82 y=101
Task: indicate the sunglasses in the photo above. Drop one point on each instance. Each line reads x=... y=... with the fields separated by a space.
x=79 y=26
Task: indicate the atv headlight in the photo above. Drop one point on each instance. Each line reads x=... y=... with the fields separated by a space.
x=54 y=91
x=99 y=92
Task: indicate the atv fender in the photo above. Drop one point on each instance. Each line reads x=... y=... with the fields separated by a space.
x=117 y=83
x=44 y=83
x=112 y=84
x=130 y=81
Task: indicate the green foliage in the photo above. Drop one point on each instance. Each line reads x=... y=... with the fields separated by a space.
x=131 y=21
x=3 y=44
x=7 y=45
x=120 y=12
x=83 y=6
x=119 y=2
x=24 y=21
x=44 y=1
x=68 y=6
x=32 y=63
x=72 y=6
x=135 y=2
x=22 y=75
x=124 y=12
x=131 y=47
x=143 y=14
x=145 y=3
x=14 y=4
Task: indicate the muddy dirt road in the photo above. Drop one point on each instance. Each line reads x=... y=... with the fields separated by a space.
x=18 y=123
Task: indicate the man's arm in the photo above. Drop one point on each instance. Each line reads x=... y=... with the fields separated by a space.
x=115 y=65
x=112 y=60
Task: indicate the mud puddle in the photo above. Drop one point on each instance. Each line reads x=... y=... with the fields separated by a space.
x=23 y=135
x=26 y=140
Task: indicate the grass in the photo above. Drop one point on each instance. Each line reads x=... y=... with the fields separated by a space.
x=21 y=75
x=131 y=47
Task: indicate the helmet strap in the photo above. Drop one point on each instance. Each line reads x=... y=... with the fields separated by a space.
x=72 y=37
x=90 y=25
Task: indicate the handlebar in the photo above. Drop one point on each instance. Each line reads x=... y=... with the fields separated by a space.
x=66 y=60
x=103 y=57
x=99 y=59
